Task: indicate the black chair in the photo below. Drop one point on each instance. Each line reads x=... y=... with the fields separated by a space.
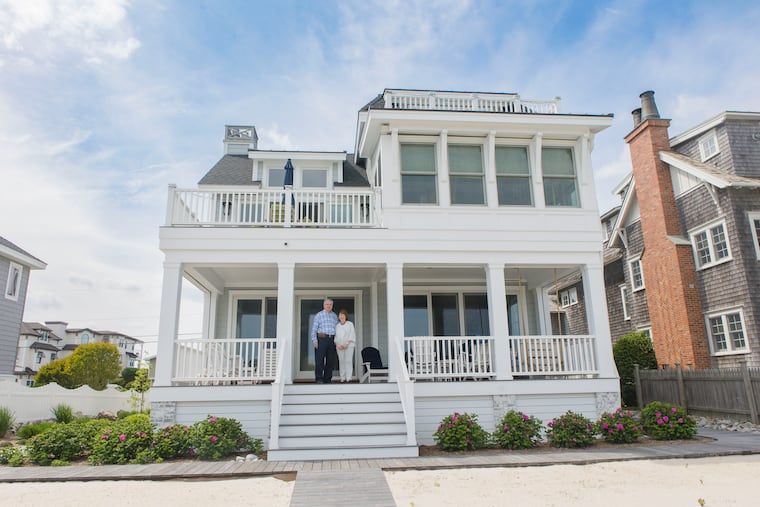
x=372 y=365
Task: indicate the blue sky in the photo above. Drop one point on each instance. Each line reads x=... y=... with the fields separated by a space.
x=105 y=103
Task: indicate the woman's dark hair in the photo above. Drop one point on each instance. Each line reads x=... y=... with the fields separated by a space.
x=344 y=312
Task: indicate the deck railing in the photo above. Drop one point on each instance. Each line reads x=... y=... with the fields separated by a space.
x=449 y=357
x=553 y=355
x=225 y=361
x=475 y=102
x=273 y=208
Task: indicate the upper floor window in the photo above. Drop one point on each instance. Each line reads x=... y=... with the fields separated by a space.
x=466 y=174
x=754 y=222
x=711 y=245
x=637 y=275
x=418 y=177
x=40 y=357
x=314 y=178
x=513 y=176
x=560 y=187
x=624 y=302
x=568 y=297
x=708 y=146
x=13 y=285
x=727 y=332
x=84 y=339
x=276 y=177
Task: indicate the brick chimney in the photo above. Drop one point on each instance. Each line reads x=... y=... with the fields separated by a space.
x=675 y=311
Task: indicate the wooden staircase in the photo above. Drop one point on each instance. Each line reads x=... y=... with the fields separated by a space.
x=341 y=421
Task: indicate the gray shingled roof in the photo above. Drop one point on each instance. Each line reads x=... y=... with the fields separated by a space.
x=230 y=170
x=353 y=175
x=4 y=242
x=44 y=346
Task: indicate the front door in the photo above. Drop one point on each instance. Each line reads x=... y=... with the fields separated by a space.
x=308 y=307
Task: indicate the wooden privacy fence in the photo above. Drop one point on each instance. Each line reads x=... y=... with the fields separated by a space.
x=728 y=392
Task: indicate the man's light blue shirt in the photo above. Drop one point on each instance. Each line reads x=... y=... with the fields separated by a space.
x=323 y=323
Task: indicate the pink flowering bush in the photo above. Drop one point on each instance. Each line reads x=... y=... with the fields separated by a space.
x=619 y=427
x=459 y=432
x=570 y=430
x=217 y=437
x=173 y=441
x=517 y=431
x=127 y=440
x=663 y=421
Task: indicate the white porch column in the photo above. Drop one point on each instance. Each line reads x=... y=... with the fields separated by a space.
x=171 y=294
x=492 y=194
x=210 y=301
x=285 y=302
x=395 y=279
x=596 y=316
x=497 y=311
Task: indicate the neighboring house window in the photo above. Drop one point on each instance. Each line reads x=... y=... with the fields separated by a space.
x=29 y=382
x=84 y=339
x=44 y=336
x=466 y=174
x=513 y=176
x=314 y=178
x=560 y=188
x=647 y=331
x=40 y=357
x=624 y=301
x=637 y=276
x=132 y=363
x=727 y=332
x=711 y=246
x=754 y=220
x=418 y=185
x=708 y=146
x=53 y=356
x=568 y=297
x=13 y=285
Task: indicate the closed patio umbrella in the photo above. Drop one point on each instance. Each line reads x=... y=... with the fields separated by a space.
x=287 y=181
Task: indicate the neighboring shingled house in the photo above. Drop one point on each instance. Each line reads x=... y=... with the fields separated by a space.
x=15 y=267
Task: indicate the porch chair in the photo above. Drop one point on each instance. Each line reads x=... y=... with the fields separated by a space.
x=372 y=366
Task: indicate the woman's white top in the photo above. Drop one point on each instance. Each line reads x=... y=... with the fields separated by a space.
x=345 y=333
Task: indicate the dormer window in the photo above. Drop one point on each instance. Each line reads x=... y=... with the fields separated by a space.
x=708 y=146
x=314 y=178
x=276 y=177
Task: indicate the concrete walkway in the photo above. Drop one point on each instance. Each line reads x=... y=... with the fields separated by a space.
x=368 y=485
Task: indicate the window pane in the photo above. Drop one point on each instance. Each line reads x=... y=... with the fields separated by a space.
x=513 y=316
x=415 y=316
x=465 y=159
x=703 y=248
x=314 y=178
x=557 y=162
x=276 y=177
x=560 y=192
x=249 y=318
x=467 y=190
x=719 y=336
x=417 y=189
x=756 y=223
x=514 y=190
x=512 y=160
x=418 y=158
x=445 y=315
x=736 y=331
x=270 y=319
x=476 y=315
x=719 y=242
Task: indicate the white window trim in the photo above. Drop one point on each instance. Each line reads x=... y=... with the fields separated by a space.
x=624 y=302
x=711 y=136
x=711 y=246
x=630 y=273
x=752 y=217
x=436 y=143
x=531 y=176
x=647 y=330
x=454 y=141
x=731 y=351
x=572 y=297
x=12 y=288
x=576 y=176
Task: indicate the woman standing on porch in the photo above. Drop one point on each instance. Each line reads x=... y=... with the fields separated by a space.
x=345 y=342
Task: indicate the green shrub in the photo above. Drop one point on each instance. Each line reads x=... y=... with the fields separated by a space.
x=29 y=430
x=517 y=431
x=7 y=418
x=63 y=413
x=459 y=432
x=570 y=430
x=173 y=441
x=633 y=348
x=13 y=456
x=122 y=441
x=620 y=427
x=59 y=463
x=217 y=437
x=64 y=441
x=663 y=421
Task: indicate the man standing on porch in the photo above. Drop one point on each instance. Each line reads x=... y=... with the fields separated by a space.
x=323 y=338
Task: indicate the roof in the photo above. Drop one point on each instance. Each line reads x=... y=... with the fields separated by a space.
x=711 y=123
x=230 y=170
x=44 y=346
x=18 y=254
x=32 y=328
x=70 y=346
x=706 y=172
x=25 y=371
x=353 y=175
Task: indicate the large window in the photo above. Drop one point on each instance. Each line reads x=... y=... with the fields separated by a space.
x=314 y=178
x=711 y=246
x=418 y=185
x=466 y=174
x=560 y=187
x=276 y=177
x=727 y=332
x=446 y=314
x=754 y=222
x=513 y=176
x=637 y=275
x=13 y=285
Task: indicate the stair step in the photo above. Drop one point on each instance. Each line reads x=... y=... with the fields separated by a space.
x=340 y=388
x=364 y=452
x=325 y=398
x=330 y=441
x=351 y=408
x=328 y=430
x=294 y=419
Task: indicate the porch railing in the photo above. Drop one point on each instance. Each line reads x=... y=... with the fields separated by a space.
x=225 y=361
x=461 y=101
x=449 y=357
x=273 y=208
x=553 y=355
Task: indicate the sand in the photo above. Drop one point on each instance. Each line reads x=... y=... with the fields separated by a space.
x=707 y=482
